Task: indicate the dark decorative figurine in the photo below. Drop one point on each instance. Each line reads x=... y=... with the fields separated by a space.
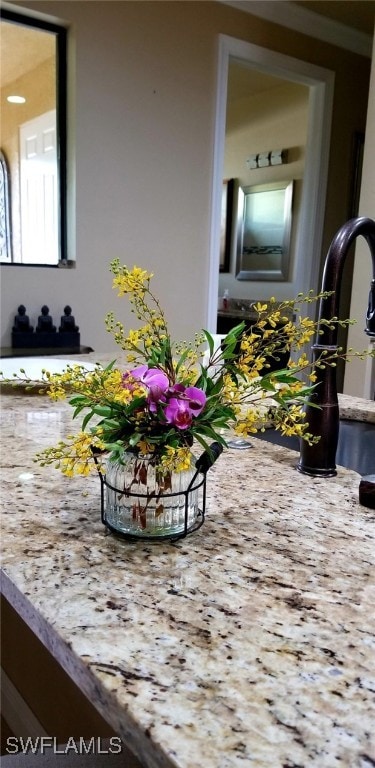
x=68 y=322
x=68 y=331
x=45 y=324
x=22 y=331
x=21 y=321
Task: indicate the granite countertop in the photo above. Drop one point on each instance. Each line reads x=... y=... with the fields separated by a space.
x=249 y=643
x=244 y=308
x=356 y=408
x=245 y=314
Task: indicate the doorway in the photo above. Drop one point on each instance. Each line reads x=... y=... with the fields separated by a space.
x=308 y=238
x=39 y=190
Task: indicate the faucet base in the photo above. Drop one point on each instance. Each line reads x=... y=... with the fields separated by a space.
x=314 y=472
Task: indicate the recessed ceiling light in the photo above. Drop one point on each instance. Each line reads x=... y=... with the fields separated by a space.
x=16 y=99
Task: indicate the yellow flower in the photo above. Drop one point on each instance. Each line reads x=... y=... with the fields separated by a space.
x=176 y=459
x=130 y=281
x=133 y=338
x=248 y=424
x=239 y=387
x=74 y=457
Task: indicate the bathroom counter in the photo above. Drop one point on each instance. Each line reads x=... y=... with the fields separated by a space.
x=356 y=408
x=250 y=642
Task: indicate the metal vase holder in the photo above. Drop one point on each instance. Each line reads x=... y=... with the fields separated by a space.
x=198 y=482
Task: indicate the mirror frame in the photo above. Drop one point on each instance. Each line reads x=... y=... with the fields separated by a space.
x=276 y=275
x=61 y=124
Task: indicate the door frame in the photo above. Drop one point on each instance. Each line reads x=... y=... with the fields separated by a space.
x=310 y=231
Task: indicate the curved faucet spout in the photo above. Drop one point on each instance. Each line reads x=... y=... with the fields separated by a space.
x=320 y=459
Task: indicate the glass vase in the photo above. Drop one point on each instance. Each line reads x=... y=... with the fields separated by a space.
x=140 y=500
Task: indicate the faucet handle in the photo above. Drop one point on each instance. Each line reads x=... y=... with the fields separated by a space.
x=370 y=314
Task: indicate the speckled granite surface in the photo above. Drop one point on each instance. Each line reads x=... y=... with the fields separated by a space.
x=250 y=643
x=357 y=408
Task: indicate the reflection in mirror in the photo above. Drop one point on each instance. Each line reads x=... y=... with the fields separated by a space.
x=265 y=225
x=33 y=97
x=264 y=110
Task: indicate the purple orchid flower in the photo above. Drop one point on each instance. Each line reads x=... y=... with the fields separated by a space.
x=156 y=382
x=197 y=399
x=178 y=413
x=181 y=410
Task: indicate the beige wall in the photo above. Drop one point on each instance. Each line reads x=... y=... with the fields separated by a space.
x=360 y=376
x=141 y=122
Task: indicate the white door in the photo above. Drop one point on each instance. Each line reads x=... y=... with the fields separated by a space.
x=39 y=190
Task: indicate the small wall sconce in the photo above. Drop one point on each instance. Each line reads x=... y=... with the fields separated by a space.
x=263 y=159
x=252 y=162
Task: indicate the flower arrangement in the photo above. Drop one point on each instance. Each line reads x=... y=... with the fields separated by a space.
x=167 y=396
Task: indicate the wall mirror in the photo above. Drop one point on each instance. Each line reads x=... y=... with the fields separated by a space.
x=33 y=143
x=265 y=219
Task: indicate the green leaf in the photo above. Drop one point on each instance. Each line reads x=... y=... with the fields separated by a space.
x=134 y=439
x=110 y=366
x=86 y=420
x=117 y=447
x=102 y=410
x=202 y=442
x=79 y=410
x=79 y=400
x=236 y=332
x=182 y=360
x=210 y=341
x=111 y=423
x=207 y=430
x=267 y=385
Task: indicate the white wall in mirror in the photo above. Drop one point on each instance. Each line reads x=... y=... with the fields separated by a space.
x=264 y=111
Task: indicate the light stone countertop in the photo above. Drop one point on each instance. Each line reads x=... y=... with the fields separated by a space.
x=249 y=643
x=356 y=408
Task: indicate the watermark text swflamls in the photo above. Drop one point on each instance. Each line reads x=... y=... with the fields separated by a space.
x=79 y=746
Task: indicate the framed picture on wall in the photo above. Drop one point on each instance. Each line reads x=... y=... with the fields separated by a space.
x=227 y=218
x=266 y=224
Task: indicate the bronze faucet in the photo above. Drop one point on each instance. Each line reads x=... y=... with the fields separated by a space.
x=319 y=459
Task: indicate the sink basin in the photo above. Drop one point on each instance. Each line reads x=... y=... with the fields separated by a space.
x=33 y=366
x=10 y=368
x=356 y=446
